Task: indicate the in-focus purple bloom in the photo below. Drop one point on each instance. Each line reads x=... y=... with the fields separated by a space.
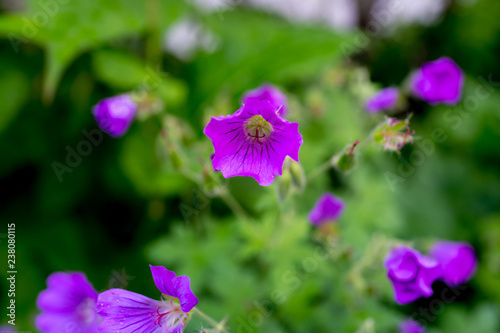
x=114 y=115
x=268 y=92
x=411 y=326
x=383 y=100
x=68 y=305
x=457 y=259
x=439 y=81
x=253 y=142
x=411 y=274
x=127 y=312
x=328 y=208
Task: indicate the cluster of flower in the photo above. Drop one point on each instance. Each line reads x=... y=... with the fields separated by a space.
x=436 y=82
x=71 y=304
x=254 y=142
x=412 y=274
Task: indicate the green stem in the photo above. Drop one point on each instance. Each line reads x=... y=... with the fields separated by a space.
x=228 y=199
x=195 y=178
x=328 y=164
x=234 y=205
x=219 y=327
x=319 y=170
x=366 y=142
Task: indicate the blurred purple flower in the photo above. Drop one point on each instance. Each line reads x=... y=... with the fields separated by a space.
x=328 y=208
x=127 y=312
x=114 y=115
x=8 y=329
x=439 y=81
x=385 y=99
x=411 y=326
x=411 y=274
x=457 y=259
x=68 y=304
x=270 y=93
x=253 y=142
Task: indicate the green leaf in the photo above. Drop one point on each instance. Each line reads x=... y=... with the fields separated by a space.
x=139 y=161
x=118 y=69
x=65 y=30
x=14 y=87
x=272 y=50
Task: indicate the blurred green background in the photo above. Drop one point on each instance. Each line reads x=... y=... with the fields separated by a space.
x=130 y=203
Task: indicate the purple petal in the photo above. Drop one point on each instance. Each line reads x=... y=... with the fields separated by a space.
x=457 y=259
x=271 y=94
x=7 y=328
x=61 y=323
x=176 y=286
x=68 y=301
x=114 y=115
x=385 y=99
x=238 y=153
x=439 y=81
x=411 y=326
x=411 y=274
x=127 y=312
x=328 y=208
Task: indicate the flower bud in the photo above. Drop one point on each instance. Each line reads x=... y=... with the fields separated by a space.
x=114 y=115
x=298 y=175
x=284 y=184
x=346 y=160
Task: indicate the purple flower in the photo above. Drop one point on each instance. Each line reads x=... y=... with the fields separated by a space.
x=458 y=261
x=328 y=208
x=385 y=99
x=126 y=312
x=114 y=115
x=411 y=274
x=411 y=326
x=253 y=142
x=439 y=81
x=268 y=92
x=68 y=305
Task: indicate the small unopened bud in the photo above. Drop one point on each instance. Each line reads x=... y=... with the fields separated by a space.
x=346 y=160
x=393 y=134
x=284 y=184
x=298 y=175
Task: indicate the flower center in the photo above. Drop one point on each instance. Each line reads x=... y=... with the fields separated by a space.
x=258 y=129
x=172 y=316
